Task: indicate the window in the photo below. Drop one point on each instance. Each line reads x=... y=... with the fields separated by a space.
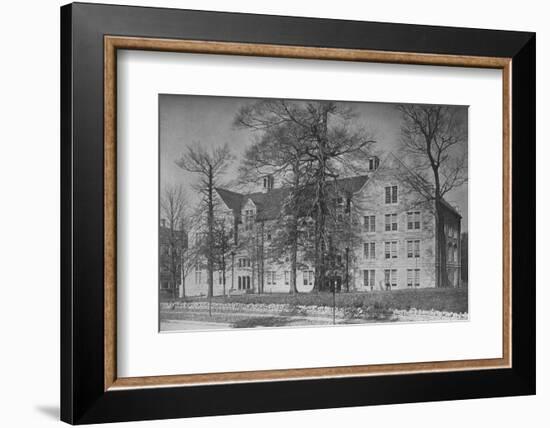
x=369 y=223
x=270 y=277
x=248 y=219
x=390 y=222
x=413 y=248
x=243 y=283
x=373 y=163
x=369 y=250
x=244 y=262
x=413 y=277
x=390 y=278
x=368 y=278
x=308 y=277
x=413 y=220
x=198 y=276
x=268 y=236
x=391 y=194
x=393 y=278
x=390 y=249
x=287 y=277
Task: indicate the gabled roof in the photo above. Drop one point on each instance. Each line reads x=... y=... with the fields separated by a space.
x=233 y=200
x=351 y=184
x=270 y=204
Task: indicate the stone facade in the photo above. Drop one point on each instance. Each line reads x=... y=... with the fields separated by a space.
x=394 y=247
x=403 y=236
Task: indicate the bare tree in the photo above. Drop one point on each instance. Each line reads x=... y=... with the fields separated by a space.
x=209 y=166
x=279 y=152
x=314 y=143
x=435 y=138
x=173 y=210
x=222 y=248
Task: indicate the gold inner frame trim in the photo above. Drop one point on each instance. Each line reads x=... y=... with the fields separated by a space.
x=113 y=43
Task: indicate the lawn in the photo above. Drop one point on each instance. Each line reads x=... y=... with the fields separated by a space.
x=439 y=299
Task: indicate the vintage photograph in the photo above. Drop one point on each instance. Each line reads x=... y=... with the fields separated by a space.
x=288 y=212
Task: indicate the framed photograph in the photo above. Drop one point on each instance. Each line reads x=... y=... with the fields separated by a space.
x=266 y=213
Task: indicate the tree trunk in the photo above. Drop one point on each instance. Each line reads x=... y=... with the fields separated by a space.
x=182 y=274
x=223 y=271
x=210 y=251
x=347 y=269
x=261 y=262
x=320 y=212
x=294 y=230
x=441 y=244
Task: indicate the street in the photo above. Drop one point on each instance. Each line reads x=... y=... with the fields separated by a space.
x=187 y=325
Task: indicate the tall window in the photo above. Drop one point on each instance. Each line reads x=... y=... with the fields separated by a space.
x=390 y=222
x=390 y=249
x=413 y=248
x=270 y=277
x=368 y=278
x=369 y=223
x=248 y=219
x=391 y=194
x=244 y=282
x=413 y=220
x=287 y=277
x=413 y=277
x=390 y=277
x=308 y=277
x=369 y=250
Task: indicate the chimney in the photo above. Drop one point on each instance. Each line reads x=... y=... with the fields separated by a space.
x=268 y=182
x=374 y=161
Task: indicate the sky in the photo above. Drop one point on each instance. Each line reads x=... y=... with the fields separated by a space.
x=208 y=120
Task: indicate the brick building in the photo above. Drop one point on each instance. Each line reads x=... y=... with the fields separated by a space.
x=394 y=243
x=171 y=244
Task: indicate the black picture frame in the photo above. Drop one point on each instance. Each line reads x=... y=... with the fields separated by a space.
x=83 y=398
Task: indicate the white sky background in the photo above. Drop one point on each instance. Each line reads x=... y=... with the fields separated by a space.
x=187 y=119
